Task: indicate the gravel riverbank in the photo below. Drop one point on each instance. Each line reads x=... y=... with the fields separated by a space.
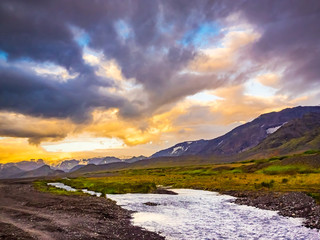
x=292 y=204
x=27 y=214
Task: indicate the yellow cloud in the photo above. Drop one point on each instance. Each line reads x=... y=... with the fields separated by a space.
x=133 y=131
x=18 y=149
x=33 y=128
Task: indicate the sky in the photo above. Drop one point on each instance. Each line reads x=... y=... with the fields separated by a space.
x=84 y=78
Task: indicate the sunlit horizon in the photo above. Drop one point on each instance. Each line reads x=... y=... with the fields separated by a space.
x=118 y=79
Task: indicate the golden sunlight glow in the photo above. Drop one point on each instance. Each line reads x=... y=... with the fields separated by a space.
x=18 y=149
x=83 y=142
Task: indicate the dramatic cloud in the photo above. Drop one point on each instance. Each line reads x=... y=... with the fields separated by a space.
x=137 y=70
x=289 y=40
x=24 y=92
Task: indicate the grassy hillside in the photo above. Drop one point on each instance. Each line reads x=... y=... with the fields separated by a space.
x=297 y=135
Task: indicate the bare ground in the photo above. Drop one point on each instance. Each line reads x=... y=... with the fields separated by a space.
x=27 y=214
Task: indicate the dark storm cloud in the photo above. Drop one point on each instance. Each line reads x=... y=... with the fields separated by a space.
x=42 y=31
x=29 y=29
x=27 y=93
x=151 y=52
x=290 y=34
x=34 y=137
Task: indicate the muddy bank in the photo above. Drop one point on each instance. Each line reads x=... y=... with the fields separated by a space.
x=292 y=204
x=28 y=214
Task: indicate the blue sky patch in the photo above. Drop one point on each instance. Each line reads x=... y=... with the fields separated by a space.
x=83 y=39
x=200 y=37
x=123 y=29
x=3 y=55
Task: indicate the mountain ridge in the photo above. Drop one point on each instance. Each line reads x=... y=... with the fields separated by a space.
x=241 y=138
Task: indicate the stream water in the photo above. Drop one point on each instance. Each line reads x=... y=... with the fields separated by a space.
x=71 y=189
x=196 y=214
x=204 y=215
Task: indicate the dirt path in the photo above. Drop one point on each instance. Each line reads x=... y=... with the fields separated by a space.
x=28 y=214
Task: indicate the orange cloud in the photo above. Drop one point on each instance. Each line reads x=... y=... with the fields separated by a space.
x=237 y=106
x=33 y=128
x=134 y=131
x=269 y=79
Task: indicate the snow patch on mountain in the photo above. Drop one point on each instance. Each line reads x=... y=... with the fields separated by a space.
x=176 y=149
x=274 y=129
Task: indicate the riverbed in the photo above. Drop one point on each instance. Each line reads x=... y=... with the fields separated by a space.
x=197 y=214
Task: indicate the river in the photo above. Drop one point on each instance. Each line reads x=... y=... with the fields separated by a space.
x=197 y=214
x=204 y=215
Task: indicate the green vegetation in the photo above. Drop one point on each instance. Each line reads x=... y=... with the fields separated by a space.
x=265 y=184
x=287 y=169
x=283 y=174
x=41 y=185
x=311 y=152
x=108 y=186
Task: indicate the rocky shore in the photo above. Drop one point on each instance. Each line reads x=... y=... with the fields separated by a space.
x=291 y=204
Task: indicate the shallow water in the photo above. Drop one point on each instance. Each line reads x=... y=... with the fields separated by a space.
x=70 y=189
x=62 y=186
x=92 y=192
x=196 y=214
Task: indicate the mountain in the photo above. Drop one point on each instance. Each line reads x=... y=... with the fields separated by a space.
x=15 y=172
x=75 y=168
x=107 y=160
x=9 y=172
x=242 y=138
x=135 y=159
x=67 y=165
x=297 y=135
x=98 y=168
x=95 y=161
x=25 y=165
x=73 y=165
x=43 y=171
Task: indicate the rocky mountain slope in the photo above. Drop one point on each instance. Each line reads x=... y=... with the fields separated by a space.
x=244 y=137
